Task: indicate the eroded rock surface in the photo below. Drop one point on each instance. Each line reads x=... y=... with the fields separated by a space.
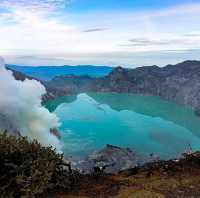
x=112 y=159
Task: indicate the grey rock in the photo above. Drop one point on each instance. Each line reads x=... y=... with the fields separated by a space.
x=112 y=158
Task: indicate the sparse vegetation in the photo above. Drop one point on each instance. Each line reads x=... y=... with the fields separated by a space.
x=29 y=170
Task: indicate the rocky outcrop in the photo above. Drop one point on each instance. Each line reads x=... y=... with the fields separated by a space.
x=179 y=83
x=19 y=76
x=111 y=159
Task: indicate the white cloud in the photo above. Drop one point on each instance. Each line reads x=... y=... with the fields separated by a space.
x=33 y=5
x=47 y=32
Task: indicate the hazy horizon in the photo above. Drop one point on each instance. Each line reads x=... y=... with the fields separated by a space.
x=92 y=65
x=81 y=32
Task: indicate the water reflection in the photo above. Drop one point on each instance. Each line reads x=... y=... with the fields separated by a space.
x=145 y=123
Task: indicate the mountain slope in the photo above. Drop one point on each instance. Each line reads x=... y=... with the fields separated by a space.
x=179 y=83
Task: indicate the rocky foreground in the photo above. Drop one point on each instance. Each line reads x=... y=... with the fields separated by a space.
x=111 y=159
x=179 y=83
x=29 y=170
x=179 y=178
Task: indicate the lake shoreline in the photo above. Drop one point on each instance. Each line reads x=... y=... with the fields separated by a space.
x=129 y=119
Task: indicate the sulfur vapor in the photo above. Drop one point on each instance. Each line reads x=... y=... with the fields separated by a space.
x=20 y=104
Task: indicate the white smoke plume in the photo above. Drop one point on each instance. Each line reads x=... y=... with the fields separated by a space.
x=20 y=102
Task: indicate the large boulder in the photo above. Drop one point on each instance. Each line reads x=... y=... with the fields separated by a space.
x=112 y=159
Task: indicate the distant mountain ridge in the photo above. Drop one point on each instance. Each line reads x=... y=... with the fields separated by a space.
x=179 y=83
x=46 y=73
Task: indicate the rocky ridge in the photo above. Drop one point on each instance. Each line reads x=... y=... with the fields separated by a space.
x=179 y=83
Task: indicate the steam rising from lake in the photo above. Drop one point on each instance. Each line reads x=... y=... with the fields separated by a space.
x=20 y=103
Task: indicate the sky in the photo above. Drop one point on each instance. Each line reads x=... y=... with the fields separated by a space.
x=129 y=33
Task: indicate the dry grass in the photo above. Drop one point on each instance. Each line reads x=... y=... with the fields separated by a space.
x=184 y=184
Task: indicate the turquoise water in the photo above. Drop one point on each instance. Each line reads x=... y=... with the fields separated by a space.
x=144 y=123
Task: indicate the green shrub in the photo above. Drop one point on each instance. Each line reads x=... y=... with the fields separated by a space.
x=29 y=170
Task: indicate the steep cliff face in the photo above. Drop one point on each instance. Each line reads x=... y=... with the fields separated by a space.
x=179 y=83
x=65 y=85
